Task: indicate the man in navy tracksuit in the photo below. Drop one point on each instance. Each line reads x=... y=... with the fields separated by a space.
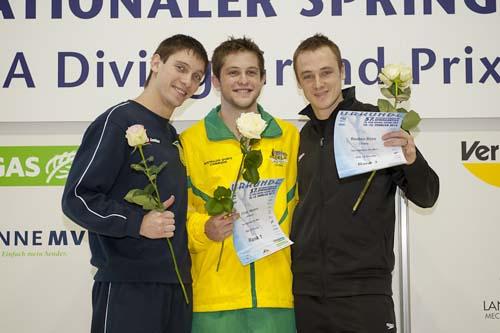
x=136 y=288
x=342 y=262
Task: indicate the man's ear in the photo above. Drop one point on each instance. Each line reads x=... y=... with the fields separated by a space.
x=155 y=63
x=263 y=78
x=215 y=82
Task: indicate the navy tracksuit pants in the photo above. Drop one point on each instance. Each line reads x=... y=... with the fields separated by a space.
x=140 y=308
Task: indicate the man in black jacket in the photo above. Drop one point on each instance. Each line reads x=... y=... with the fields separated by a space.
x=342 y=262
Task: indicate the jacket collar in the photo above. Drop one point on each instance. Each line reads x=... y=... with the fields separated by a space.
x=349 y=95
x=217 y=129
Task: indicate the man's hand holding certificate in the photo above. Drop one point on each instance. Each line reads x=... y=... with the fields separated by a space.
x=358 y=142
x=363 y=132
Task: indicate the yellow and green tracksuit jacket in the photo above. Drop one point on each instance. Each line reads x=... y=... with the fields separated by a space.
x=212 y=156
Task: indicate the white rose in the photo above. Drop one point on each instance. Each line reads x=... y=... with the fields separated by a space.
x=387 y=82
x=391 y=71
x=396 y=73
x=251 y=125
x=405 y=76
x=136 y=135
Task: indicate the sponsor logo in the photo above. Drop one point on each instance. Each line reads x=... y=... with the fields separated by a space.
x=481 y=160
x=20 y=238
x=279 y=157
x=39 y=243
x=35 y=165
x=491 y=309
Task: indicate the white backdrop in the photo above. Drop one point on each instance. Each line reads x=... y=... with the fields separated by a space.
x=454 y=271
x=45 y=288
x=45 y=56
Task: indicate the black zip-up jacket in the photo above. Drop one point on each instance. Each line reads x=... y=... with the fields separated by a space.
x=338 y=253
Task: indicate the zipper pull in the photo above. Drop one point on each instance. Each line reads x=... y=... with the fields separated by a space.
x=321 y=142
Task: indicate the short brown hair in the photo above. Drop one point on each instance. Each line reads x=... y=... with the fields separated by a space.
x=312 y=44
x=178 y=43
x=234 y=45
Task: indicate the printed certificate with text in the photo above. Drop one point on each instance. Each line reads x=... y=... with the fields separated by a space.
x=257 y=233
x=358 y=143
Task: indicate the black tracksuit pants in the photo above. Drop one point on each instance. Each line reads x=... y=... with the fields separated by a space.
x=140 y=308
x=352 y=314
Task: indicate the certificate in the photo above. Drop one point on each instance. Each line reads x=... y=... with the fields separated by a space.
x=358 y=143
x=257 y=233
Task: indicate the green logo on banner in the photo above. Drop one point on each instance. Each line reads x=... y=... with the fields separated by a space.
x=35 y=165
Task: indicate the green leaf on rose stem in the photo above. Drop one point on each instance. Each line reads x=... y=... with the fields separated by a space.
x=147 y=201
x=251 y=175
x=385 y=106
x=402 y=97
x=137 y=167
x=132 y=193
x=150 y=159
x=222 y=192
x=153 y=170
x=393 y=90
x=254 y=141
x=402 y=110
x=137 y=193
x=154 y=205
x=152 y=178
x=410 y=120
x=214 y=207
x=161 y=166
x=244 y=146
x=253 y=159
x=156 y=169
x=228 y=204
x=149 y=189
x=386 y=92
x=244 y=141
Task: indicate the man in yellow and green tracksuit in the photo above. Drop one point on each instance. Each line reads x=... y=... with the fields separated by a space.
x=256 y=297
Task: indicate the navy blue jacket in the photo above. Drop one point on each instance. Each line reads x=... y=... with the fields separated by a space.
x=99 y=179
